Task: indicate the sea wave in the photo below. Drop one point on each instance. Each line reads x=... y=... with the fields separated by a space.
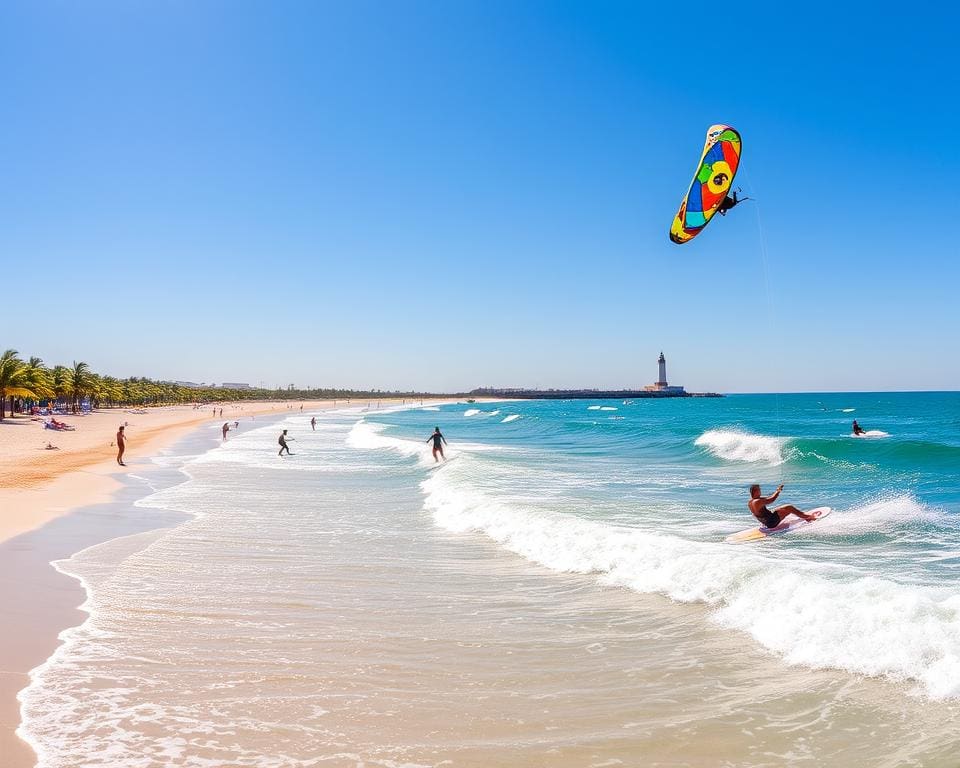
x=821 y=618
x=367 y=436
x=734 y=445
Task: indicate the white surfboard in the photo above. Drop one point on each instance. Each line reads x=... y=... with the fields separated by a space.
x=442 y=463
x=791 y=523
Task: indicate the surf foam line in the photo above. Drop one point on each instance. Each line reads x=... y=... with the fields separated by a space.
x=734 y=445
x=839 y=619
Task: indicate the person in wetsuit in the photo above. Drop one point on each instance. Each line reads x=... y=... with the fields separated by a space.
x=283 y=444
x=730 y=202
x=772 y=518
x=438 y=442
x=857 y=429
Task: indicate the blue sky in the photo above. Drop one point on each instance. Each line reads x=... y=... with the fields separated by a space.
x=448 y=195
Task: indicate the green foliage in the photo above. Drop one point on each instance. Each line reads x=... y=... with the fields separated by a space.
x=33 y=381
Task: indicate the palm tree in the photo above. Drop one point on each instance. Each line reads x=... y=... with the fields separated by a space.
x=79 y=383
x=13 y=381
x=39 y=379
x=60 y=380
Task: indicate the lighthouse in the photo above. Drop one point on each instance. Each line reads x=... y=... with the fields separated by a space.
x=661 y=388
x=662 y=378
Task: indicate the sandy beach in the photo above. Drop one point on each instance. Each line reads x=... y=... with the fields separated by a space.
x=39 y=485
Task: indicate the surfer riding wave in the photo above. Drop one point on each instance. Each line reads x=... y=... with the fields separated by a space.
x=772 y=518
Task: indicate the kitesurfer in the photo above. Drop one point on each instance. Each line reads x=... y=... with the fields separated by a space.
x=772 y=518
x=438 y=441
x=857 y=429
x=730 y=202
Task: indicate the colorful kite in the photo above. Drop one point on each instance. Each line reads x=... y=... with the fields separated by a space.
x=708 y=191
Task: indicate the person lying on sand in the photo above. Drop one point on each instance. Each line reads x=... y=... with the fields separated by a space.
x=771 y=519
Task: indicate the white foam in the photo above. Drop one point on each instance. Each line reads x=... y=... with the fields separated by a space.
x=811 y=615
x=734 y=445
x=874 y=433
x=848 y=410
x=430 y=408
x=594 y=407
x=366 y=436
x=511 y=417
x=471 y=412
x=882 y=515
x=607 y=408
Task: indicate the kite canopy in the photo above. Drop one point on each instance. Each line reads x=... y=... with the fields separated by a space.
x=715 y=173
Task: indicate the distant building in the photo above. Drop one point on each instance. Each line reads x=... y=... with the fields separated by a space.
x=188 y=384
x=235 y=385
x=662 y=386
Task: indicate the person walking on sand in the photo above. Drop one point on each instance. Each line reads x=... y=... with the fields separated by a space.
x=313 y=423
x=438 y=442
x=225 y=428
x=121 y=446
x=772 y=518
x=283 y=444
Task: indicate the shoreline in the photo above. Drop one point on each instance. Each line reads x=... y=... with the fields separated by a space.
x=75 y=503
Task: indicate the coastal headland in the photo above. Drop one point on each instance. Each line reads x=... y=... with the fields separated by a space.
x=585 y=394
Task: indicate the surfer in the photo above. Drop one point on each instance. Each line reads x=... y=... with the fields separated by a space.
x=313 y=423
x=225 y=428
x=438 y=443
x=283 y=444
x=730 y=202
x=857 y=429
x=771 y=519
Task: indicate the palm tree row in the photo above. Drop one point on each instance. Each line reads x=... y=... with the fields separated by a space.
x=24 y=383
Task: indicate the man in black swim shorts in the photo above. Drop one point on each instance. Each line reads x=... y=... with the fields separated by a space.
x=772 y=518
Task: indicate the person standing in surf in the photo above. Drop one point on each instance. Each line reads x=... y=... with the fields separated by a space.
x=438 y=442
x=121 y=446
x=772 y=518
x=283 y=444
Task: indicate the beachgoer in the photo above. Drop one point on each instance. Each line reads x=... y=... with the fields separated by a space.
x=730 y=202
x=236 y=425
x=772 y=518
x=313 y=423
x=438 y=443
x=857 y=429
x=121 y=446
x=283 y=444
x=225 y=429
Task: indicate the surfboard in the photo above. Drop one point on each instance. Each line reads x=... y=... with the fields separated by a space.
x=790 y=524
x=442 y=463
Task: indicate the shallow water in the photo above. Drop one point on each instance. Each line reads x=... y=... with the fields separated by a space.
x=559 y=594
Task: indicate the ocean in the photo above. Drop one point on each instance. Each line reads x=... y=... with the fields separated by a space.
x=558 y=592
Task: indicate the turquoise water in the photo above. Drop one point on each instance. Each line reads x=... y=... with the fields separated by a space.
x=643 y=494
x=559 y=593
